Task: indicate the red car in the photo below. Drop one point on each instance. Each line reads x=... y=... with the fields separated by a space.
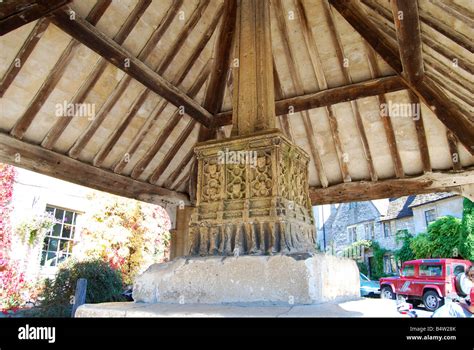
x=427 y=280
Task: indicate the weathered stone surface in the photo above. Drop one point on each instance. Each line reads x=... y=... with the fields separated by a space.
x=252 y=197
x=277 y=279
x=354 y=308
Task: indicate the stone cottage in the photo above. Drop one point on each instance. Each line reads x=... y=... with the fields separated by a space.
x=357 y=221
x=414 y=214
x=347 y=224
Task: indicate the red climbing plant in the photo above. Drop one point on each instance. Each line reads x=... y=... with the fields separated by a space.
x=12 y=281
x=7 y=178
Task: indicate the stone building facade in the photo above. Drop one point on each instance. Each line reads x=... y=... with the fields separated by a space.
x=356 y=221
x=349 y=223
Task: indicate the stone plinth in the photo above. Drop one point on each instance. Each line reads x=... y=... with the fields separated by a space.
x=252 y=196
x=247 y=279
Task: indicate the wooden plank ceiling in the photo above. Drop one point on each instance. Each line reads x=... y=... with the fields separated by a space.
x=156 y=77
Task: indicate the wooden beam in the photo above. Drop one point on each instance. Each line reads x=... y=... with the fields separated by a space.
x=432 y=22
x=454 y=150
x=167 y=129
x=407 y=24
x=124 y=60
x=328 y=97
x=126 y=28
x=184 y=179
x=253 y=93
x=159 y=108
x=215 y=92
x=365 y=141
x=316 y=64
x=436 y=46
x=436 y=70
x=166 y=161
x=179 y=169
x=426 y=90
x=23 y=54
x=23 y=123
x=448 y=31
x=463 y=14
x=459 y=91
x=391 y=139
x=421 y=135
x=217 y=81
x=386 y=119
x=163 y=66
x=18 y=13
x=36 y=158
x=367 y=190
x=60 y=125
x=297 y=83
x=279 y=94
x=348 y=80
x=456 y=77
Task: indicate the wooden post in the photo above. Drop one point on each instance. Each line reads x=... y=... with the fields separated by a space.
x=80 y=295
x=254 y=93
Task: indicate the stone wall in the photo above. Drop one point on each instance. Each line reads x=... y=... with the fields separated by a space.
x=276 y=279
x=31 y=193
x=450 y=206
x=395 y=226
x=355 y=214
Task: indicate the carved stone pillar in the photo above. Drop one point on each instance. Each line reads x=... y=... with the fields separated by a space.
x=252 y=189
x=252 y=197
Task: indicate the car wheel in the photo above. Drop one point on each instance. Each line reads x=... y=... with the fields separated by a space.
x=431 y=300
x=387 y=293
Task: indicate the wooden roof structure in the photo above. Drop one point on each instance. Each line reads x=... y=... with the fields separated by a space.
x=158 y=74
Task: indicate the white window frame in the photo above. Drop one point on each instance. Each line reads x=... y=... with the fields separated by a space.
x=49 y=236
x=352 y=233
x=389 y=226
x=435 y=215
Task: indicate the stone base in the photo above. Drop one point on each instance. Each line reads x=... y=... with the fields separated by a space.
x=275 y=279
x=353 y=308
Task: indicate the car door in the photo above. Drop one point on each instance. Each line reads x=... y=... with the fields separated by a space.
x=430 y=274
x=405 y=283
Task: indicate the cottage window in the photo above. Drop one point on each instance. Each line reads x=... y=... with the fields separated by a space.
x=369 y=231
x=352 y=233
x=430 y=216
x=57 y=245
x=386 y=229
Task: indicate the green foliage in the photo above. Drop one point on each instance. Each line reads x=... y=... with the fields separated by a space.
x=363 y=268
x=127 y=234
x=377 y=261
x=354 y=250
x=32 y=230
x=467 y=230
x=405 y=253
x=443 y=239
x=104 y=284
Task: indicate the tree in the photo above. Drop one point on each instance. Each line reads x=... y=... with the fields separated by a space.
x=127 y=234
x=405 y=253
x=442 y=240
x=467 y=230
x=14 y=289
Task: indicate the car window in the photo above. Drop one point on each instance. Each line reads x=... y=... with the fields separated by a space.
x=408 y=271
x=431 y=270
